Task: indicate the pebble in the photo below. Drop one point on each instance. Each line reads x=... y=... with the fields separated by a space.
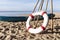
x=18 y=31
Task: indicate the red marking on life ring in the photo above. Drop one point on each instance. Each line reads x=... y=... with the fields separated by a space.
x=31 y=16
x=44 y=13
x=43 y=27
x=29 y=27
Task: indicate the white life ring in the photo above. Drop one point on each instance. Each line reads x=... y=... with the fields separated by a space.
x=42 y=27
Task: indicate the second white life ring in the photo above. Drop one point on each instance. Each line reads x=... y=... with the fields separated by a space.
x=42 y=27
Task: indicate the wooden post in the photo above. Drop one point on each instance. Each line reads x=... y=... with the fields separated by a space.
x=51 y=7
x=35 y=5
x=40 y=8
x=46 y=4
x=35 y=9
x=41 y=5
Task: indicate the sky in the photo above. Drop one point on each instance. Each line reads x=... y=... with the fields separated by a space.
x=24 y=5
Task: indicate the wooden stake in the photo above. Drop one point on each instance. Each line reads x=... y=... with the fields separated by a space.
x=51 y=6
x=35 y=6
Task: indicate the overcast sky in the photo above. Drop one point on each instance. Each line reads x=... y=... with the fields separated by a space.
x=22 y=5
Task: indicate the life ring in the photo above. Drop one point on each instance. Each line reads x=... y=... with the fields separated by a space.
x=42 y=27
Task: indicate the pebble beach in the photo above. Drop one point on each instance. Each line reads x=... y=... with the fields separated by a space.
x=17 y=30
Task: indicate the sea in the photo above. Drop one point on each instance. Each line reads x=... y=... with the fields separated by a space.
x=17 y=13
x=14 y=13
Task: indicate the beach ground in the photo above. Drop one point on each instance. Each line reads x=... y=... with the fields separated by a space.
x=17 y=30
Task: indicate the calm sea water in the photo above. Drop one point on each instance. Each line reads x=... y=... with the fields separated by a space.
x=14 y=13
x=5 y=15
